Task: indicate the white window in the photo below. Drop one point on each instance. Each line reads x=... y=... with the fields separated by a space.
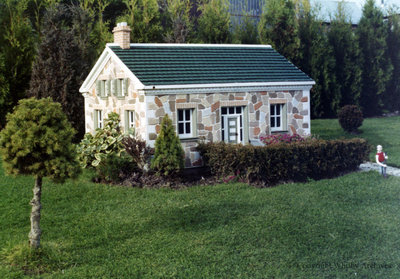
x=277 y=117
x=98 y=119
x=120 y=87
x=232 y=124
x=185 y=125
x=131 y=119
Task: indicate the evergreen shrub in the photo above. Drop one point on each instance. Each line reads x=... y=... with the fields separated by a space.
x=298 y=161
x=350 y=118
x=168 y=155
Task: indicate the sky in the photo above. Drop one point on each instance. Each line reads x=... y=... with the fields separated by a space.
x=328 y=7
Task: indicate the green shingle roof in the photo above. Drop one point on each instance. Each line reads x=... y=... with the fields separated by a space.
x=182 y=64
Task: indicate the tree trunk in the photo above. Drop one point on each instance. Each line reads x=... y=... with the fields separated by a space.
x=35 y=233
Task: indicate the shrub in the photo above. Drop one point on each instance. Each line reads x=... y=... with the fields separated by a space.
x=104 y=148
x=281 y=138
x=297 y=161
x=168 y=156
x=139 y=151
x=350 y=118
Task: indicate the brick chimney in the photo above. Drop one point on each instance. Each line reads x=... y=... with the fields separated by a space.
x=122 y=34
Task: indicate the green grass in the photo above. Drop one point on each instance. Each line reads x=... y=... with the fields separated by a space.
x=342 y=228
x=383 y=131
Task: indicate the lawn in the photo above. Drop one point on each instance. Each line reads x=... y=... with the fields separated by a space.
x=342 y=228
x=383 y=131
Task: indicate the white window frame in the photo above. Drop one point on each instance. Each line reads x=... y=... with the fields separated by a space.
x=131 y=119
x=99 y=119
x=185 y=121
x=240 y=122
x=275 y=116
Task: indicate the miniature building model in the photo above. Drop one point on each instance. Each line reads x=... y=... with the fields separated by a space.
x=231 y=93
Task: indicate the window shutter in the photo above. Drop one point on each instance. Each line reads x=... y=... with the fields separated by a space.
x=125 y=87
x=95 y=122
x=284 y=117
x=126 y=121
x=108 y=88
x=114 y=87
x=102 y=86
x=119 y=88
x=246 y=125
x=98 y=88
x=194 y=122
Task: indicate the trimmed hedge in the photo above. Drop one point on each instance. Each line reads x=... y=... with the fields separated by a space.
x=298 y=161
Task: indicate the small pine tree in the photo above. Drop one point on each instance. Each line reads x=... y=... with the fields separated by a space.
x=169 y=155
x=37 y=141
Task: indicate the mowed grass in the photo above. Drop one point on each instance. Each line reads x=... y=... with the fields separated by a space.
x=383 y=131
x=342 y=228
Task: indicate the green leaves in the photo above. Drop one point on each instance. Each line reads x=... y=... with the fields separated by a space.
x=37 y=140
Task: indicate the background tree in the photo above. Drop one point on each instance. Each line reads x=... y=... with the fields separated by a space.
x=392 y=97
x=376 y=67
x=143 y=16
x=37 y=141
x=178 y=24
x=347 y=55
x=214 y=22
x=17 y=51
x=168 y=154
x=245 y=31
x=60 y=67
x=278 y=26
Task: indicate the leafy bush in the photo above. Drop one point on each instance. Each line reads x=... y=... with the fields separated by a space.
x=139 y=151
x=104 y=151
x=297 y=161
x=350 y=118
x=281 y=138
x=168 y=156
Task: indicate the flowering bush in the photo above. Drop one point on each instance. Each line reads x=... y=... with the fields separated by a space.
x=281 y=138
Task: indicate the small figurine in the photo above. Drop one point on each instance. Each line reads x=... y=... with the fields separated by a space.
x=381 y=157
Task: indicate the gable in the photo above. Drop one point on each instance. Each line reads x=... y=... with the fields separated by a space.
x=185 y=64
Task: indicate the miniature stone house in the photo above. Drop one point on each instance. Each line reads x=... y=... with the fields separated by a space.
x=231 y=93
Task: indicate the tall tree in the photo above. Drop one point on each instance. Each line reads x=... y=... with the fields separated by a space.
x=392 y=96
x=179 y=24
x=143 y=16
x=17 y=51
x=245 y=31
x=279 y=27
x=347 y=55
x=214 y=22
x=376 y=67
x=59 y=67
x=37 y=141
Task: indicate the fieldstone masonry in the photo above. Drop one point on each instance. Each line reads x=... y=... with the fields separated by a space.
x=150 y=108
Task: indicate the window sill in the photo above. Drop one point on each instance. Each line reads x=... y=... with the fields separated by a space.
x=279 y=132
x=189 y=139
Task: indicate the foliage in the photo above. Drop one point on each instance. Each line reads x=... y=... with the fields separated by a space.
x=377 y=68
x=143 y=16
x=139 y=151
x=245 y=32
x=350 y=118
x=17 y=51
x=94 y=150
x=168 y=155
x=60 y=68
x=278 y=26
x=391 y=97
x=179 y=24
x=297 y=161
x=37 y=141
x=346 y=53
x=214 y=22
x=281 y=138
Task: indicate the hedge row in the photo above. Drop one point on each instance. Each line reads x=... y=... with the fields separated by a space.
x=296 y=161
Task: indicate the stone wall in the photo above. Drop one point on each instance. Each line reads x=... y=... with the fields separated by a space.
x=133 y=101
x=208 y=109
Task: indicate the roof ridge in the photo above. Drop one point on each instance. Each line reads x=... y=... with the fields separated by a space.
x=193 y=45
